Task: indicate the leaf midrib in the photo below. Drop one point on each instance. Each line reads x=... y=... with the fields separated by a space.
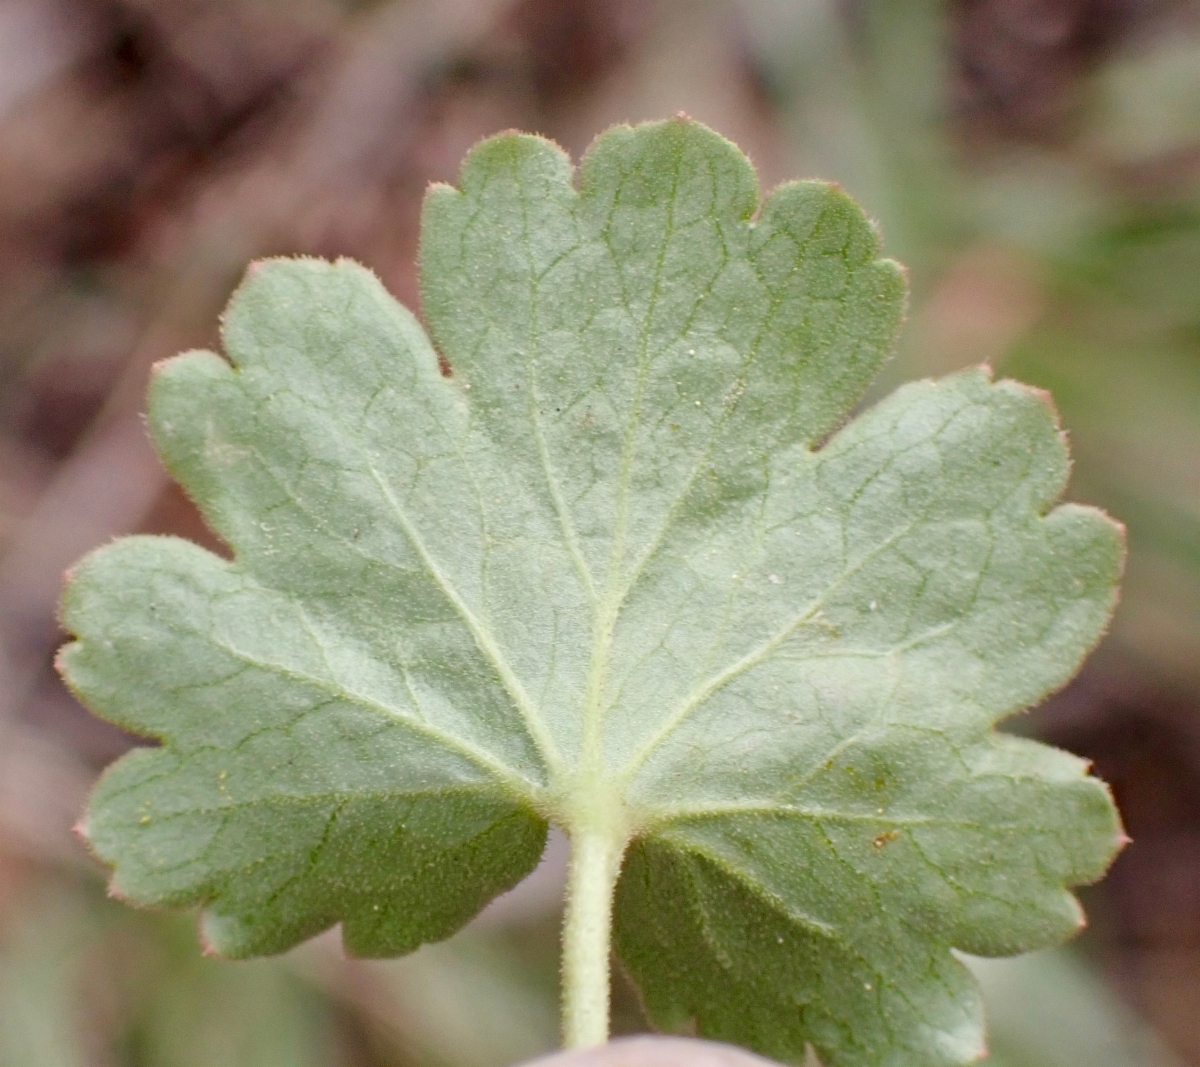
x=714 y=683
x=327 y=795
x=525 y=707
x=661 y=815
x=520 y=785
x=604 y=618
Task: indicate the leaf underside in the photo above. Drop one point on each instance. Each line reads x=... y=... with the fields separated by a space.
x=624 y=543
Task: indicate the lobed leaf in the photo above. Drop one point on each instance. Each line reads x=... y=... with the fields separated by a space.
x=621 y=560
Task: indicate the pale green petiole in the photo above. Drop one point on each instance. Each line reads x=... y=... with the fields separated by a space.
x=587 y=935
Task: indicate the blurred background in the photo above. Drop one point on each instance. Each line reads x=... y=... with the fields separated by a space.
x=1036 y=163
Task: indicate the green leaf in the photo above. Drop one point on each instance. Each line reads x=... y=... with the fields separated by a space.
x=618 y=572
